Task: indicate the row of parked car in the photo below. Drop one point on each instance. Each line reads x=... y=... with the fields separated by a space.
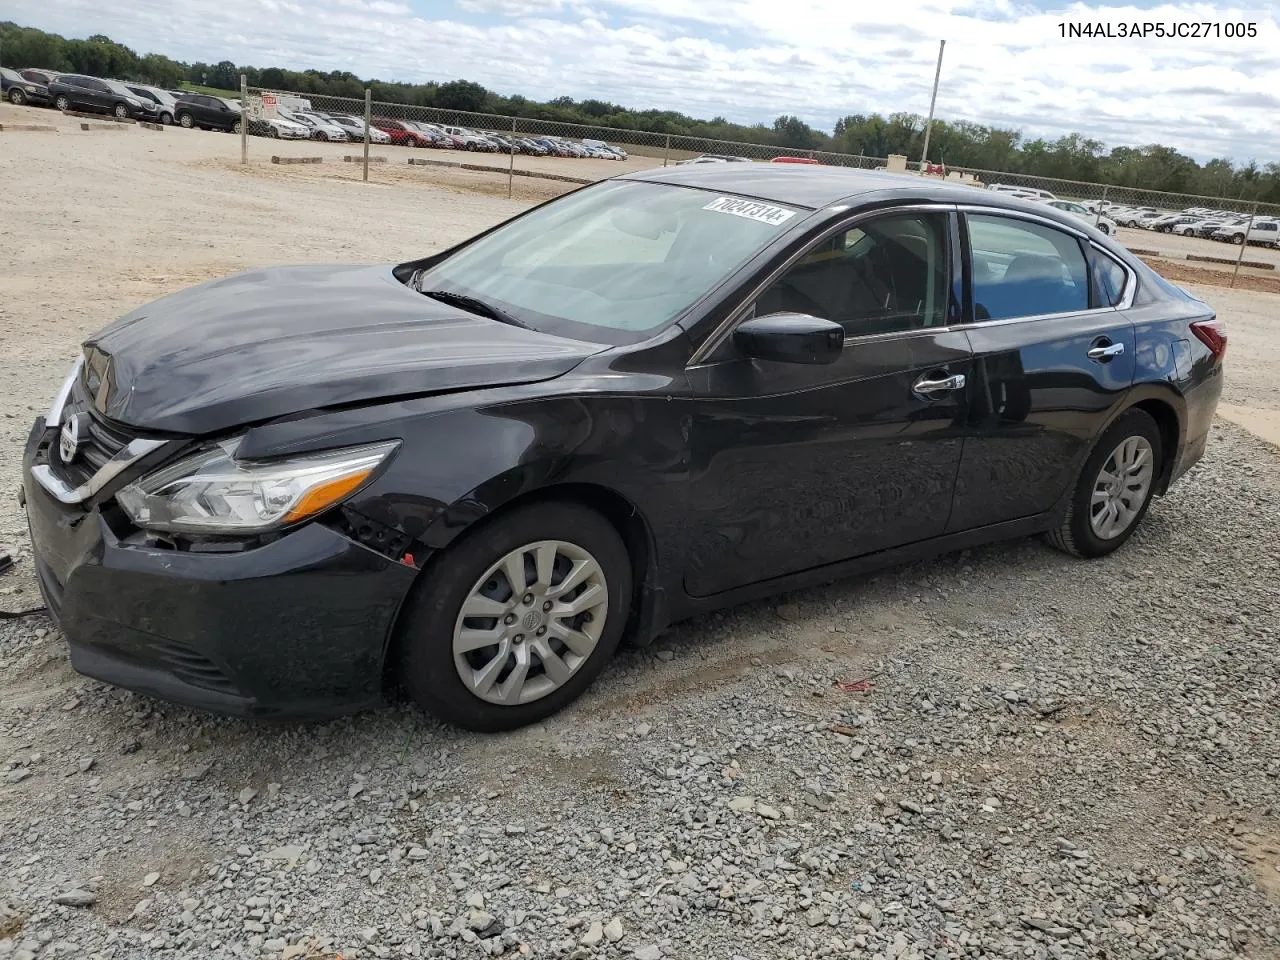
x=296 y=121
x=1203 y=222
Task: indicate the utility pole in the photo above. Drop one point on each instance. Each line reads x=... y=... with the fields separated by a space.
x=928 y=127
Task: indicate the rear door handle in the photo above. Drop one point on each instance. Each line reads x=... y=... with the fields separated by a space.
x=934 y=388
x=1106 y=353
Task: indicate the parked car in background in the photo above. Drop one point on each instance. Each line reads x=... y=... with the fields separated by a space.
x=1263 y=233
x=606 y=151
x=166 y=103
x=321 y=129
x=1207 y=228
x=1166 y=223
x=74 y=91
x=533 y=147
x=278 y=128
x=354 y=126
x=1105 y=224
x=470 y=140
x=20 y=90
x=1011 y=188
x=401 y=132
x=233 y=505
x=38 y=75
x=205 y=112
x=1132 y=217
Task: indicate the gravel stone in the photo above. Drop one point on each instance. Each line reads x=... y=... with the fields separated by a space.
x=1092 y=746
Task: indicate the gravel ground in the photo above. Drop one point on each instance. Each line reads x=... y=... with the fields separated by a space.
x=999 y=753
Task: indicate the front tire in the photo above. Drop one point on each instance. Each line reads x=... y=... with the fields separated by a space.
x=17 y=97
x=515 y=621
x=121 y=111
x=1114 y=489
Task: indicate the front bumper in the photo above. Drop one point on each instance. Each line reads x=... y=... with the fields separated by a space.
x=295 y=628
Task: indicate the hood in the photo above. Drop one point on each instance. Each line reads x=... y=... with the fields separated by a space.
x=272 y=342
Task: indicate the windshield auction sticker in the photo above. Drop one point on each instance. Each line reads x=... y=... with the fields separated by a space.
x=751 y=209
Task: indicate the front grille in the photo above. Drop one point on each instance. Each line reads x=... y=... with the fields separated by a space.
x=105 y=439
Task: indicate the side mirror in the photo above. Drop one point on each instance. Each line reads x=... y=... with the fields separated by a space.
x=790 y=338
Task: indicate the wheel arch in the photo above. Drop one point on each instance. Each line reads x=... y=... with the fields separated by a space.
x=632 y=526
x=1167 y=409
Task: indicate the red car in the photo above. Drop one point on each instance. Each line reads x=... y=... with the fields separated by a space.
x=793 y=160
x=400 y=132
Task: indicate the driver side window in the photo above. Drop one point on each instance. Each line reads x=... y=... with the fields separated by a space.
x=885 y=275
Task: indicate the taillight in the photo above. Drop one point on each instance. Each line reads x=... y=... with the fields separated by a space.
x=1213 y=334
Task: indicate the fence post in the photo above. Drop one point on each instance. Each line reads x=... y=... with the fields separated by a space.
x=244 y=119
x=666 y=154
x=511 y=161
x=1244 y=243
x=1097 y=219
x=368 y=110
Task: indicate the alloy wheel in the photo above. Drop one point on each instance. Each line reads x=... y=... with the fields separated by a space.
x=16 y=97
x=62 y=103
x=1121 y=487
x=531 y=622
x=121 y=111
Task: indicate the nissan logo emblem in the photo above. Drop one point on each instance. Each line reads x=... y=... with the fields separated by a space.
x=73 y=433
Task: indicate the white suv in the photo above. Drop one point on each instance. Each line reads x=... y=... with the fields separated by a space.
x=1010 y=188
x=1263 y=232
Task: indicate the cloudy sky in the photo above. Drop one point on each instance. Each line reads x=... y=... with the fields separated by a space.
x=1006 y=64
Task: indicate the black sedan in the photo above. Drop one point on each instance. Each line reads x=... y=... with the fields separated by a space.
x=474 y=473
x=19 y=90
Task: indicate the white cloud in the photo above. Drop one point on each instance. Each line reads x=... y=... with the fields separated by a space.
x=750 y=60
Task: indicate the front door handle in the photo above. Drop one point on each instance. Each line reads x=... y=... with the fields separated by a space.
x=933 y=388
x=1102 y=354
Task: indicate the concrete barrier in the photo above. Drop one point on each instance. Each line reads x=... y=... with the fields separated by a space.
x=28 y=127
x=1143 y=252
x=97 y=116
x=351 y=159
x=484 y=168
x=1231 y=261
x=100 y=126
x=297 y=159
x=151 y=126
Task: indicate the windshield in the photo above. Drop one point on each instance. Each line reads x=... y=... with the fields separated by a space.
x=611 y=263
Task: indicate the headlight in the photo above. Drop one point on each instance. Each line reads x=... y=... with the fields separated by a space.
x=54 y=417
x=212 y=492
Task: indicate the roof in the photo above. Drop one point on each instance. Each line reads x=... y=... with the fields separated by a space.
x=806 y=185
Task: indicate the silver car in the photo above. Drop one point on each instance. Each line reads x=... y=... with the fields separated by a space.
x=1105 y=224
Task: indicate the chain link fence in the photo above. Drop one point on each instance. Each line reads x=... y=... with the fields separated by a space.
x=376 y=135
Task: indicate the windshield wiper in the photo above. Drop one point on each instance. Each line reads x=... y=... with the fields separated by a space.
x=475 y=305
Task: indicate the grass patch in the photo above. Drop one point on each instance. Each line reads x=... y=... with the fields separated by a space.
x=211 y=91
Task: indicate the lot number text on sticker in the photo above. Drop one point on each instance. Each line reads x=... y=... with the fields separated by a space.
x=764 y=212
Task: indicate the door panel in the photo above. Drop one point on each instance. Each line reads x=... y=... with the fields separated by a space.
x=790 y=471
x=1038 y=398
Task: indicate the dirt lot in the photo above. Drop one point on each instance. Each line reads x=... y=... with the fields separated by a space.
x=1048 y=759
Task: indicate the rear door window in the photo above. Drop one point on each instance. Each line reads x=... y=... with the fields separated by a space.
x=1024 y=269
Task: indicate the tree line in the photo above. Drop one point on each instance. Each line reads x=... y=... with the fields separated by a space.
x=955 y=143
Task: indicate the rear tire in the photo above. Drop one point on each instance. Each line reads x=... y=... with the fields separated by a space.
x=1084 y=529
x=61 y=102
x=186 y=121
x=473 y=571
x=237 y=127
